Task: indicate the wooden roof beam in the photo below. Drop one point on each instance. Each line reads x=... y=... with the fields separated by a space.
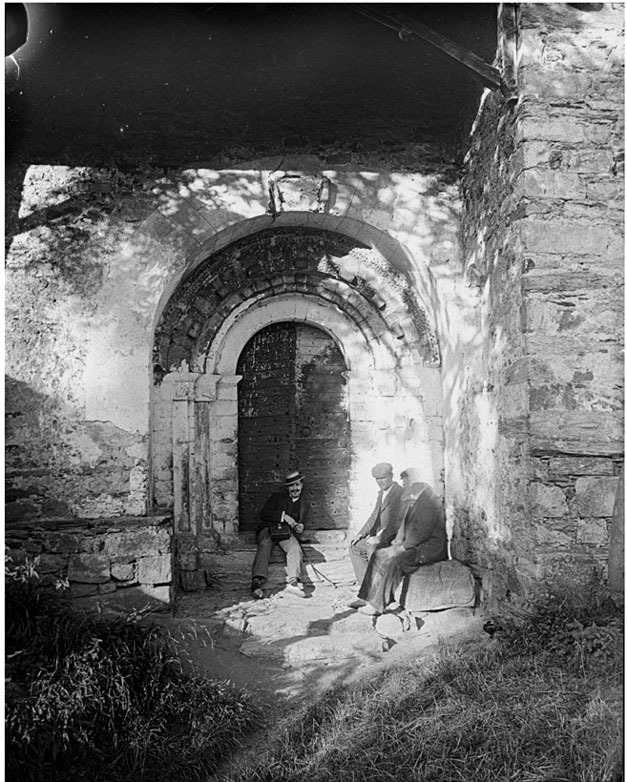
x=408 y=28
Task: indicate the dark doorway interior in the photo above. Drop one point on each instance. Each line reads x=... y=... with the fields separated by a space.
x=292 y=409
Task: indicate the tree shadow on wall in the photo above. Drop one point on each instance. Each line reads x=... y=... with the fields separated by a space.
x=33 y=425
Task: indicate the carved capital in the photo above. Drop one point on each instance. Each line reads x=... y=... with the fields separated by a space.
x=184 y=390
x=228 y=386
x=206 y=386
x=180 y=385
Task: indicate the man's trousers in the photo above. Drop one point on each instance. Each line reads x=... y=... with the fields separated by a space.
x=291 y=547
x=360 y=554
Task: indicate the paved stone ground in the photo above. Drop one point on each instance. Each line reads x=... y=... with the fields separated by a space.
x=286 y=649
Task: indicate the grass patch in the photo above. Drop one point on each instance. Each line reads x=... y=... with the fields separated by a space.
x=95 y=699
x=542 y=703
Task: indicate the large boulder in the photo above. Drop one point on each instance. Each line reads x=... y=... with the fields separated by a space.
x=448 y=584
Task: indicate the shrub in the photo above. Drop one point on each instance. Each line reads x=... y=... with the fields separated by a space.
x=577 y=629
x=94 y=698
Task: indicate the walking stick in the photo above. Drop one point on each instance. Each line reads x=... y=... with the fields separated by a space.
x=314 y=568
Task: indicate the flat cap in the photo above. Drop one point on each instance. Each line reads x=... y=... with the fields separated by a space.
x=381 y=470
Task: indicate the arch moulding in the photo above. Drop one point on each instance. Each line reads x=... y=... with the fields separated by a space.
x=227 y=230
x=387 y=415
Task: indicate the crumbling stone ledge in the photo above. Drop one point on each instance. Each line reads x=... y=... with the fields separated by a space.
x=119 y=564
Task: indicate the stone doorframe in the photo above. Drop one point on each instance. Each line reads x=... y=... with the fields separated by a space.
x=394 y=409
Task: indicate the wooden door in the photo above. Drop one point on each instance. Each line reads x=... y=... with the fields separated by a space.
x=292 y=409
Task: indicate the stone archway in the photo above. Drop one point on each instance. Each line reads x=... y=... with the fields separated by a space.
x=301 y=276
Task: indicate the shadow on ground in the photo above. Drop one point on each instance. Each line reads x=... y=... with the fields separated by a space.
x=286 y=649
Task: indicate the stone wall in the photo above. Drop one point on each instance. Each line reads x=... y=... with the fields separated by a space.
x=116 y=564
x=489 y=507
x=543 y=238
x=71 y=341
x=571 y=142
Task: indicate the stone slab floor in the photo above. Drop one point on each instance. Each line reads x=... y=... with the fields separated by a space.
x=286 y=649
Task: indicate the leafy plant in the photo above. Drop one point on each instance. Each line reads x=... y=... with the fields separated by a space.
x=94 y=698
x=583 y=628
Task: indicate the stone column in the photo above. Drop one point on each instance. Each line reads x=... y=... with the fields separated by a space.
x=222 y=466
x=616 y=564
x=183 y=445
x=200 y=480
x=194 y=449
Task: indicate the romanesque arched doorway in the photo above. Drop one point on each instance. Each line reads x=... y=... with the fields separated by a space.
x=313 y=278
x=293 y=412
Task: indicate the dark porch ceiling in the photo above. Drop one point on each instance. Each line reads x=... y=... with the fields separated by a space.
x=184 y=83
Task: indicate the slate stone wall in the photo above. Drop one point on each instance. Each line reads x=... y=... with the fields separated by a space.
x=118 y=564
x=543 y=238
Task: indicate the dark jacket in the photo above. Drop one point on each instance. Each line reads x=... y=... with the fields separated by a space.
x=424 y=528
x=386 y=516
x=280 y=502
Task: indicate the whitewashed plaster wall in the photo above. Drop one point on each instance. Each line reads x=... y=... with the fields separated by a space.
x=89 y=341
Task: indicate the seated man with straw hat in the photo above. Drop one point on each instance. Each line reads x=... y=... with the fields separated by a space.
x=280 y=520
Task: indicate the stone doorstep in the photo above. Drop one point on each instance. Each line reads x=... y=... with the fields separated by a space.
x=233 y=568
x=433 y=587
x=323 y=537
x=315 y=552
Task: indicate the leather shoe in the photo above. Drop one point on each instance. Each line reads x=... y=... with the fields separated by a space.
x=295 y=588
x=368 y=610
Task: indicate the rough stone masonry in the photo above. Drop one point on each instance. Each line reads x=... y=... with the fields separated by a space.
x=542 y=236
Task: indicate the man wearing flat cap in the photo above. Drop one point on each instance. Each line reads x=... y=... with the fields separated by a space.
x=420 y=540
x=283 y=515
x=382 y=524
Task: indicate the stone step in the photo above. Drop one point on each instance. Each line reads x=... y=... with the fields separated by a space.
x=232 y=569
x=324 y=537
x=315 y=552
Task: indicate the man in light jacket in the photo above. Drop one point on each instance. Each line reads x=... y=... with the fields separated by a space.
x=420 y=540
x=382 y=524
